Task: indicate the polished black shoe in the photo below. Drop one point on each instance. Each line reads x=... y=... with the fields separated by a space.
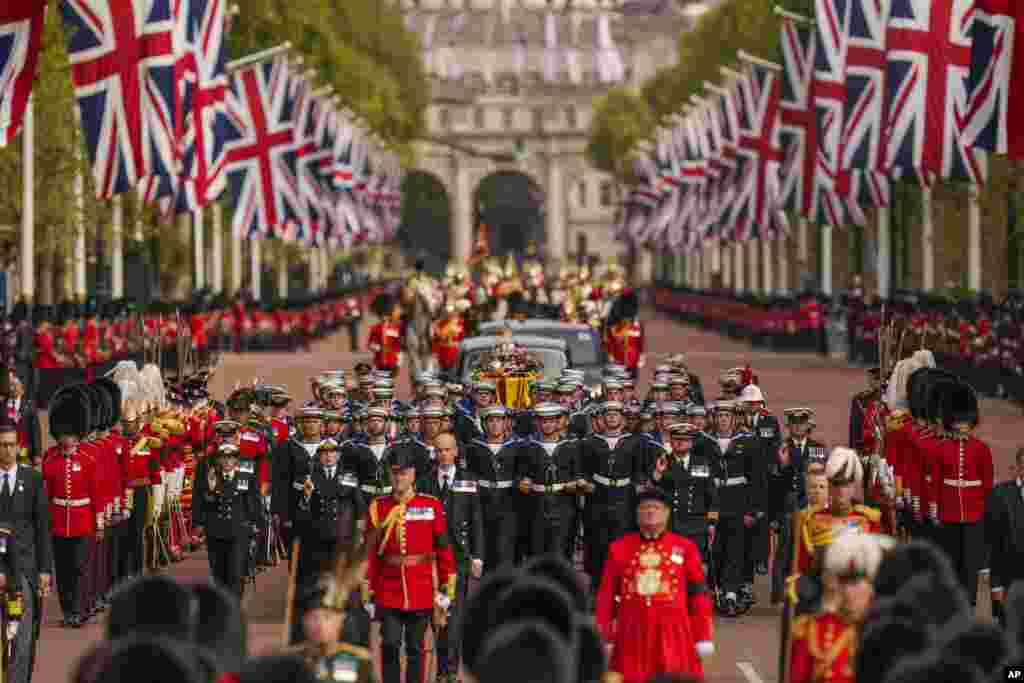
x=761 y=568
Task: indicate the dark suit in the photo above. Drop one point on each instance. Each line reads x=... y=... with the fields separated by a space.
x=1004 y=534
x=27 y=513
x=28 y=429
x=466 y=532
x=230 y=516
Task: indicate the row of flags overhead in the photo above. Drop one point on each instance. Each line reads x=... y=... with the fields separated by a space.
x=868 y=93
x=164 y=117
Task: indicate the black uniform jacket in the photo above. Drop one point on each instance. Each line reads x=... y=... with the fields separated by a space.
x=462 y=507
x=231 y=511
x=334 y=509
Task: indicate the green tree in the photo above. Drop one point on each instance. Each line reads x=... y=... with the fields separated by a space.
x=621 y=120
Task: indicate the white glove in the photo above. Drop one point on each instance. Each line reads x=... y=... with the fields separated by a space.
x=443 y=601
x=477 y=567
x=12 y=631
x=158 y=498
x=369 y=609
x=705 y=649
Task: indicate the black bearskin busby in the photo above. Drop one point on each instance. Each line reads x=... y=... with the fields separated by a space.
x=112 y=401
x=154 y=605
x=625 y=307
x=525 y=650
x=70 y=412
x=961 y=406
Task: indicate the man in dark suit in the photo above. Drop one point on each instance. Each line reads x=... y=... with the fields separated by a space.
x=227 y=505
x=1004 y=533
x=457 y=489
x=24 y=509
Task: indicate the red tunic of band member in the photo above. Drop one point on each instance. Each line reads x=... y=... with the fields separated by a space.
x=824 y=648
x=447 y=335
x=665 y=608
x=386 y=344
x=402 y=559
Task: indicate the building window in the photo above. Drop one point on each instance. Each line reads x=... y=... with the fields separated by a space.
x=508 y=117
x=607 y=193
x=479 y=119
x=570 y=117
x=581 y=194
x=444 y=119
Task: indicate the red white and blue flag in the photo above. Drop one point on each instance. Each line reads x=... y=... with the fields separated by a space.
x=928 y=50
x=122 y=65
x=996 y=108
x=261 y=137
x=21 y=29
x=799 y=124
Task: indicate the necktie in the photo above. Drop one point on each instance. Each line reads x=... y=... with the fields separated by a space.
x=445 y=483
x=330 y=473
x=7 y=484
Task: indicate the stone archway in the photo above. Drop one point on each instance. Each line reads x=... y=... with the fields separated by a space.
x=512 y=206
x=425 y=231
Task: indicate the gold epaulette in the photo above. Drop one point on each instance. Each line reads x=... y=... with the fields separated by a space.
x=896 y=420
x=374 y=514
x=871 y=513
x=354 y=650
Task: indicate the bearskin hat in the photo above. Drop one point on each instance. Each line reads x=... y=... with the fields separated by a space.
x=961 y=405
x=886 y=642
x=150 y=659
x=908 y=560
x=275 y=669
x=556 y=568
x=221 y=626
x=113 y=392
x=984 y=645
x=939 y=383
x=525 y=650
x=474 y=623
x=935 y=667
x=70 y=412
x=153 y=605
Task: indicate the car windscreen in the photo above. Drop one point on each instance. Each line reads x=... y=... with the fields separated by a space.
x=554 y=362
x=583 y=346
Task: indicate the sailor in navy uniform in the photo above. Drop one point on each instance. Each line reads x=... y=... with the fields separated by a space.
x=494 y=461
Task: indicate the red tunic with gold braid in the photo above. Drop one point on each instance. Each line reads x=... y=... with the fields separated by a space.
x=386 y=344
x=818 y=528
x=665 y=608
x=624 y=342
x=413 y=538
x=962 y=473
x=824 y=649
x=447 y=335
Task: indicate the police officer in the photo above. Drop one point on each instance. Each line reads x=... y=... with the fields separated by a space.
x=549 y=470
x=228 y=508
x=495 y=463
x=451 y=482
x=690 y=480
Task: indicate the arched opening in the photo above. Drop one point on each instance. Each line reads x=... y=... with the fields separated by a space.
x=511 y=205
x=426 y=217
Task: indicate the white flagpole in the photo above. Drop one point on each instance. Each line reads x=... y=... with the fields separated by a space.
x=199 y=248
x=28 y=218
x=217 y=247
x=256 y=267
x=236 y=263
x=117 y=248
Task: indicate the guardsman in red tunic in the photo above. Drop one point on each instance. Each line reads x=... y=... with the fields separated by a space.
x=280 y=421
x=653 y=606
x=76 y=511
x=47 y=354
x=624 y=333
x=411 y=569
x=386 y=342
x=447 y=334
x=961 y=479
x=824 y=645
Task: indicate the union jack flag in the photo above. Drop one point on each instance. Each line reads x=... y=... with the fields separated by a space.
x=865 y=81
x=756 y=211
x=996 y=110
x=799 y=124
x=310 y=154
x=928 y=65
x=21 y=29
x=261 y=137
x=122 y=66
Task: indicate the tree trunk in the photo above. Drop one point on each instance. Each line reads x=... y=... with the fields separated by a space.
x=44 y=276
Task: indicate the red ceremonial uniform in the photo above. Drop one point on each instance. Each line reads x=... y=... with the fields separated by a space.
x=447 y=335
x=402 y=559
x=73 y=491
x=46 y=355
x=386 y=344
x=818 y=528
x=665 y=609
x=625 y=343
x=281 y=430
x=823 y=649
x=897 y=432
x=961 y=472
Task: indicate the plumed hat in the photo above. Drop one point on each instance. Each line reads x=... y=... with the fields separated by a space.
x=856 y=554
x=154 y=605
x=960 y=405
x=70 y=412
x=844 y=466
x=896 y=397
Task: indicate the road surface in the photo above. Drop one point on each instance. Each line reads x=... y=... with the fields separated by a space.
x=747 y=647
